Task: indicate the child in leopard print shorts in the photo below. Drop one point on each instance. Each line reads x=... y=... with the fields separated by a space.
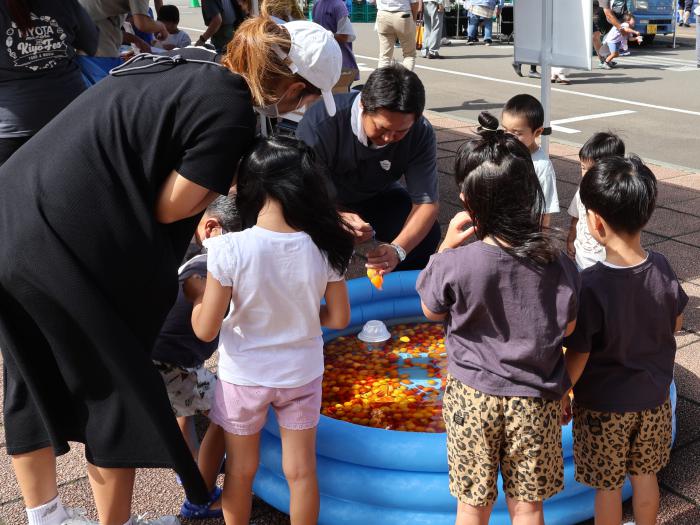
x=507 y=300
x=631 y=305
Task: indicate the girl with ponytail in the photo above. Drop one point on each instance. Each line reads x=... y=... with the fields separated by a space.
x=508 y=299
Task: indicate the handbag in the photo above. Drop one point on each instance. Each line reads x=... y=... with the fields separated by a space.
x=419 y=35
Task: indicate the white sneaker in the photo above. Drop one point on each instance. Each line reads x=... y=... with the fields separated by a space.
x=77 y=516
x=163 y=520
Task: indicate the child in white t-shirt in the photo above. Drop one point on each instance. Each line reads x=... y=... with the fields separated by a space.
x=523 y=116
x=169 y=15
x=617 y=39
x=580 y=244
x=273 y=277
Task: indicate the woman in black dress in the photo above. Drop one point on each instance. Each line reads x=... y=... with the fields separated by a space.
x=96 y=212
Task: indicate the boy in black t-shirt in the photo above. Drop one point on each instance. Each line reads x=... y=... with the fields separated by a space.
x=179 y=356
x=630 y=306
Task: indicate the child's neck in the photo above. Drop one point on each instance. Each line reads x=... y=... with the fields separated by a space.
x=533 y=147
x=625 y=250
x=271 y=218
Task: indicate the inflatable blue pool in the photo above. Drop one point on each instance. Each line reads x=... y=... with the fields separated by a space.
x=376 y=476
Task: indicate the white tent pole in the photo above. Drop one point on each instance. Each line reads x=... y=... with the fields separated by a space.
x=546 y=65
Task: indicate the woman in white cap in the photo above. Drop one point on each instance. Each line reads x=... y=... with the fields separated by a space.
x=96 y=212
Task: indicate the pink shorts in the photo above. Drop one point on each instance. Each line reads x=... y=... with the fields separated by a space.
x=242 y=410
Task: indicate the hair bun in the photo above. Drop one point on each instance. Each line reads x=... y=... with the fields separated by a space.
x=487 y=123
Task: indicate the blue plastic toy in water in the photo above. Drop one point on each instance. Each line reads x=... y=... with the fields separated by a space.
x=371 y=475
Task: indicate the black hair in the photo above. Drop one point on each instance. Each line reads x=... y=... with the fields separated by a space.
x=622 y=190
x=284 y=169
x=169 y=13
x=224 y=210
x=601 y=145
x=528 y=107
x=393 y=88
x=20 y=14
x=503 y=195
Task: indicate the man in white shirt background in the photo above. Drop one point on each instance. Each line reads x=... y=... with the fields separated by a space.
x=396 y=19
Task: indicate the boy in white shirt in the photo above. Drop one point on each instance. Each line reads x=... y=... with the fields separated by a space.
x=169 y=15
x=523 y=116
x=580 y=244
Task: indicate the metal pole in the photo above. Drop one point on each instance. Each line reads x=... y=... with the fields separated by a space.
x=697 y=33
x=457 y=24
x=546 y=65
x=675 y=22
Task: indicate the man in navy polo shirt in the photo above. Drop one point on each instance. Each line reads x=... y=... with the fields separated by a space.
x=375 y=138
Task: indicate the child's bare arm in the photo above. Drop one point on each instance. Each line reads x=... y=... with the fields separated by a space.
x=679 y=323
x=209 y=310
x=570 y=248
x=335 y=313
x=546 y=220
x=432 y=315
x=575 y=363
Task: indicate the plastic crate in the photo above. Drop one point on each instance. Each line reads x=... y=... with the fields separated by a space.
x=361 y=11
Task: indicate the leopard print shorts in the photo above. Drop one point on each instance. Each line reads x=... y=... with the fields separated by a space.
x=521 y=435
x=610 y=445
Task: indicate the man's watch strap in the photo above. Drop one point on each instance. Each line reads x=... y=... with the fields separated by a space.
x=399 y=251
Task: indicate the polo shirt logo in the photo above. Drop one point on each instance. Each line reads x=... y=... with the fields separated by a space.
x=385 y=164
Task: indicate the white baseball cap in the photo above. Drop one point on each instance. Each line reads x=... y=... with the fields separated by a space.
x=315 y=55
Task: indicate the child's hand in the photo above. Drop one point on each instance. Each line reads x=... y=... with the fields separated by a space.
x=456 y=232
x=570 y=248
x=194 y=288
x=566 y=414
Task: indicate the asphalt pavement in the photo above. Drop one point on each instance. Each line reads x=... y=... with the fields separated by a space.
x=652 y=98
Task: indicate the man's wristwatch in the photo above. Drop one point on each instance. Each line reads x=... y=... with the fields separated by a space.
x=399 y=251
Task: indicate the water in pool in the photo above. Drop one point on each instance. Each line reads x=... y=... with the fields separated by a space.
x=397 y=387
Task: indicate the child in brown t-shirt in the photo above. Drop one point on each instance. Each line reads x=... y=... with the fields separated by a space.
x=507 y=299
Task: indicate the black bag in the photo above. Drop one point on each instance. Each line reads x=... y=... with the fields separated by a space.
x=619 y=7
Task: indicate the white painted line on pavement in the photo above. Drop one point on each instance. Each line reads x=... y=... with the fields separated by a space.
x=558 y=90
x=595 y=116
x=562 y=129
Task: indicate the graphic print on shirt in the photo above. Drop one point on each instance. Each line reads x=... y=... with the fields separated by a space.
x=42 y=46
x=385 y=164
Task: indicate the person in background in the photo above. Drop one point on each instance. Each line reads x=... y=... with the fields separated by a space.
x=685 y=7
x=282 y=10
x=334 y=16
x=616 y=40
x=148 y=38
x=396 y=20
x=507 y=301
x=533 y=73
x=433 y=18
x=169 y=15
x=109 y=16
x=523 y=116
x=604 y=18
x=580 y=244
x=36 y=86
x=482 y=11
x=221 y=18
x=620 y=358
x=377 y=138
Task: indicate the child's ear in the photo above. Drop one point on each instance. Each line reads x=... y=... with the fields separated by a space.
x=538 y=132
x=461 y=196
